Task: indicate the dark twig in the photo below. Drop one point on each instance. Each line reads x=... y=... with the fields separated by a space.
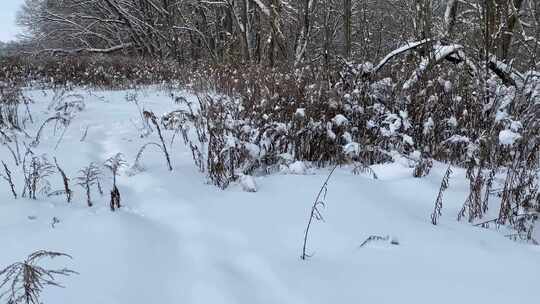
x=9 y=179
x=65 y=180
x=315 y=211
x=150 y=115
x=438 y=202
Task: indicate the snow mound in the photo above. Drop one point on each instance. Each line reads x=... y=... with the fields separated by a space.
x=508 y=137
x=248 y=183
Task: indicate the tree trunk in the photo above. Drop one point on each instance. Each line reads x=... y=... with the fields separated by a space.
x=347 y=28
x=510 y=19
x=303 y=37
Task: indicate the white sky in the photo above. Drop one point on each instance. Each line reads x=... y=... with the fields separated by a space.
x=8 y=10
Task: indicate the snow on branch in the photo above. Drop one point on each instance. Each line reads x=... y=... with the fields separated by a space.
x=409 y=46
x=88 y=50
x=264 y=9
x=440 y=52
x=454 y=53
x=505 y=72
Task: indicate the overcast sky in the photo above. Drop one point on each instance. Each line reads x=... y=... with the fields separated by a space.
x=8 y=10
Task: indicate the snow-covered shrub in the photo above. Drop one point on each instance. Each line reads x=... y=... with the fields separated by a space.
x=11 y=97
x=254 y=130
x=266 y=119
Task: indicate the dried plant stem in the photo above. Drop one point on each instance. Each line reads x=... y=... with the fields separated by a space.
x=65 y=180
x=83 y=138
x=15 y=158
x=315 y=212
x=438 y=202
x=38 y=134
x=115 y=199
x=143 y=148
x=152 y=117
x=9 y=179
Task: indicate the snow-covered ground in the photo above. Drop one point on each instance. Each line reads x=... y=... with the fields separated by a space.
x=179 y=240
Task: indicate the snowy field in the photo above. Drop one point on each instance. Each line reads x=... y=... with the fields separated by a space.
x=179 y=240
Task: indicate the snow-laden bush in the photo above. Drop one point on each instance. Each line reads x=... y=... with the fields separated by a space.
x=261 y=120
x=11 y=97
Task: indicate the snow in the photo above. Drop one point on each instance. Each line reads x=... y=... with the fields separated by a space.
x=404 y=48
x=263 y=7
x=297 y=168
x=508 y=137
x=340 y=120
x=456 y=139
x=408 y=140
x=440 y=52
x=352 y=149
x=179 y=240
x=248 y=183
x=428 y=125
x=300 y=112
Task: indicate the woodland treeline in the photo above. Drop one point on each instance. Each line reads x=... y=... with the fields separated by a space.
x=288 y=32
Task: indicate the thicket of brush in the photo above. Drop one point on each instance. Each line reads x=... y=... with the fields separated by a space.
x=267 y=118
x=94 y=71
x=256 y=119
